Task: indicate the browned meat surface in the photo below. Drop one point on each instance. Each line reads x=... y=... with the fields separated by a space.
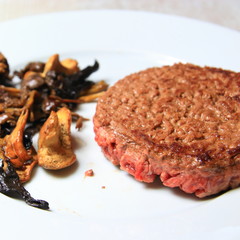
x=178 y=122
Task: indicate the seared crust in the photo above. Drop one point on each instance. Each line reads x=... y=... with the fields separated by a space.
x=183 y=118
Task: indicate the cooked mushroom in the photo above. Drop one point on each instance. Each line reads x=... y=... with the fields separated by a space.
x=79 y=120
x=4 y=71
x=96 y=88
x=25 y=172
x=21 y=158
x=14 y=148
x=48 y=93
x=67 y=66
x=55 y=144
x=32 y=80
x=4 y=67
x=11 y=185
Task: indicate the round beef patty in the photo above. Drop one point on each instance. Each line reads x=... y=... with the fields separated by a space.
x=178 y=122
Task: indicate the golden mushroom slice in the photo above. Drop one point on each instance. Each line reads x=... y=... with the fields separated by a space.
x=14 y=148
x=67 y=66
x=54 y=144
x=21 y=158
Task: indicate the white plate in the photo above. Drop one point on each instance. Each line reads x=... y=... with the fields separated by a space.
x=123 y=42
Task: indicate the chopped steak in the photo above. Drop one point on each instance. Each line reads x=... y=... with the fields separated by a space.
x=178 y=122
